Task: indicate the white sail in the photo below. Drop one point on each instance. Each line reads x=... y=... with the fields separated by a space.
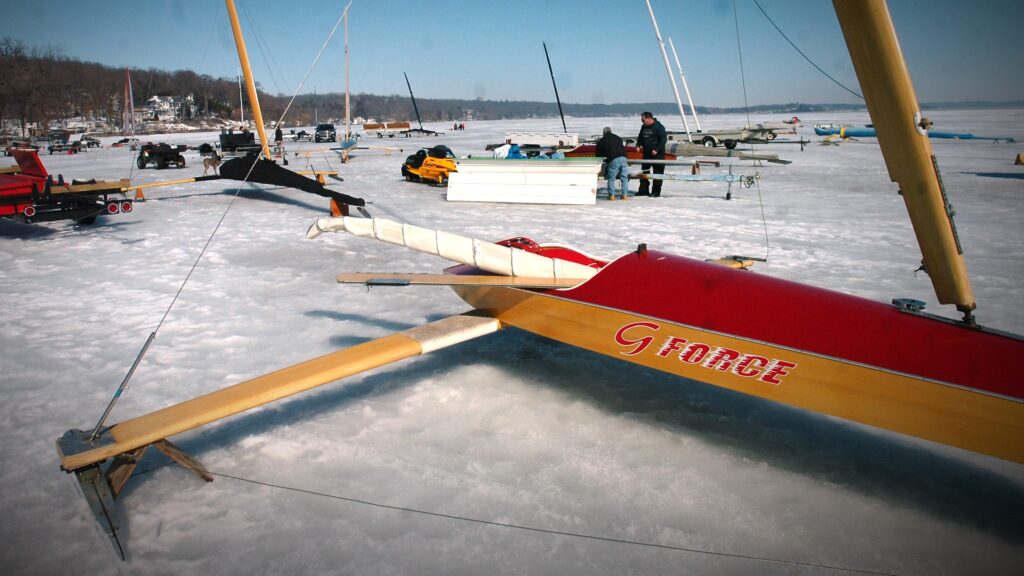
x=480 y=253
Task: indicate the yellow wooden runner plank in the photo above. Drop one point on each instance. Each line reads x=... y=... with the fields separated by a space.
x=150 y=428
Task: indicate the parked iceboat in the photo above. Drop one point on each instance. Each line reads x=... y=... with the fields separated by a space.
x=844 y=131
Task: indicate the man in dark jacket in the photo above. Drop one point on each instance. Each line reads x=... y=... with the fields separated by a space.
x=651 y=141
x=611 y=148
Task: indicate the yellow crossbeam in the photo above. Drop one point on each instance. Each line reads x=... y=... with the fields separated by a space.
x=155 y=426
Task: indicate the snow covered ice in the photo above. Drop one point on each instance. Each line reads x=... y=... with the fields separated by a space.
x=510 y=428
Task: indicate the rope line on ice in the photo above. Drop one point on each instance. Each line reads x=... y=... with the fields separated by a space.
x=549 y=531
x=533 y=528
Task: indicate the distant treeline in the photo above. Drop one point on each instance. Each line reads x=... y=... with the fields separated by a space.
x=39 y=85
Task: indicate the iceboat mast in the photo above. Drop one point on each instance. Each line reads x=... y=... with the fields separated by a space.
x=668 y=69
x=250 y=84
x=903 y=137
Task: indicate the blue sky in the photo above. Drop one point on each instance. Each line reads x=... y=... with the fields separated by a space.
x=603 y=51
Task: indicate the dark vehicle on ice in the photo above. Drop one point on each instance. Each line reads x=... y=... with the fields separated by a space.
x=162 y=155
x=232 y=142
x=325 y=133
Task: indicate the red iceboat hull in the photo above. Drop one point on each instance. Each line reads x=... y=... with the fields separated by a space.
x=803 y=346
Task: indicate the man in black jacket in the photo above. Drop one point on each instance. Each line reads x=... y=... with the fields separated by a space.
x=611 y=148
x=651 y=141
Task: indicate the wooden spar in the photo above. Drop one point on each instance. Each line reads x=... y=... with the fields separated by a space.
x=155 y=426
x=171 y=182
x=126 y=185
x=250 y=84
x=902 y=136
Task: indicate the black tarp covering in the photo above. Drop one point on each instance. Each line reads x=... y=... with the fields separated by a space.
x=268 y=172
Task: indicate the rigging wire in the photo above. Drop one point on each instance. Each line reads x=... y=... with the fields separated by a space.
x=263 y=52
x=525 y=528
x=801 y=52
x=152 y=335
x=746 y=111
x=206 y=49
x=309 y=71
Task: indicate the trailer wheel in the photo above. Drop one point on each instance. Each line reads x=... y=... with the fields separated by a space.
x=730 y=144
x=709 y=142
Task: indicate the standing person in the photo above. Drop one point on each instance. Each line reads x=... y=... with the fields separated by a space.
x=278 y=137
x=611 y=147
x=651 y=141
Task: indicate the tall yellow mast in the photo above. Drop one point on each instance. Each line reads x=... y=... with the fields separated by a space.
x=250 y=85
x=903 y=138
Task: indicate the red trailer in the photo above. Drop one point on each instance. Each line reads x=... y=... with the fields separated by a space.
x=30 y=194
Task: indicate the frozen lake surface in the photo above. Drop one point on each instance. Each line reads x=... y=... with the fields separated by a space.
x=510 y=428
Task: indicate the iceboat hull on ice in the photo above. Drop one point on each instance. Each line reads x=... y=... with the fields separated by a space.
x=858 y=359
x=886 y=365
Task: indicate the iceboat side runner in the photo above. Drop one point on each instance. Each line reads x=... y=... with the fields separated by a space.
x=885 y=365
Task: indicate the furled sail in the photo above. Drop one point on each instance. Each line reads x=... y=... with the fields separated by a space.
x=484 y=255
